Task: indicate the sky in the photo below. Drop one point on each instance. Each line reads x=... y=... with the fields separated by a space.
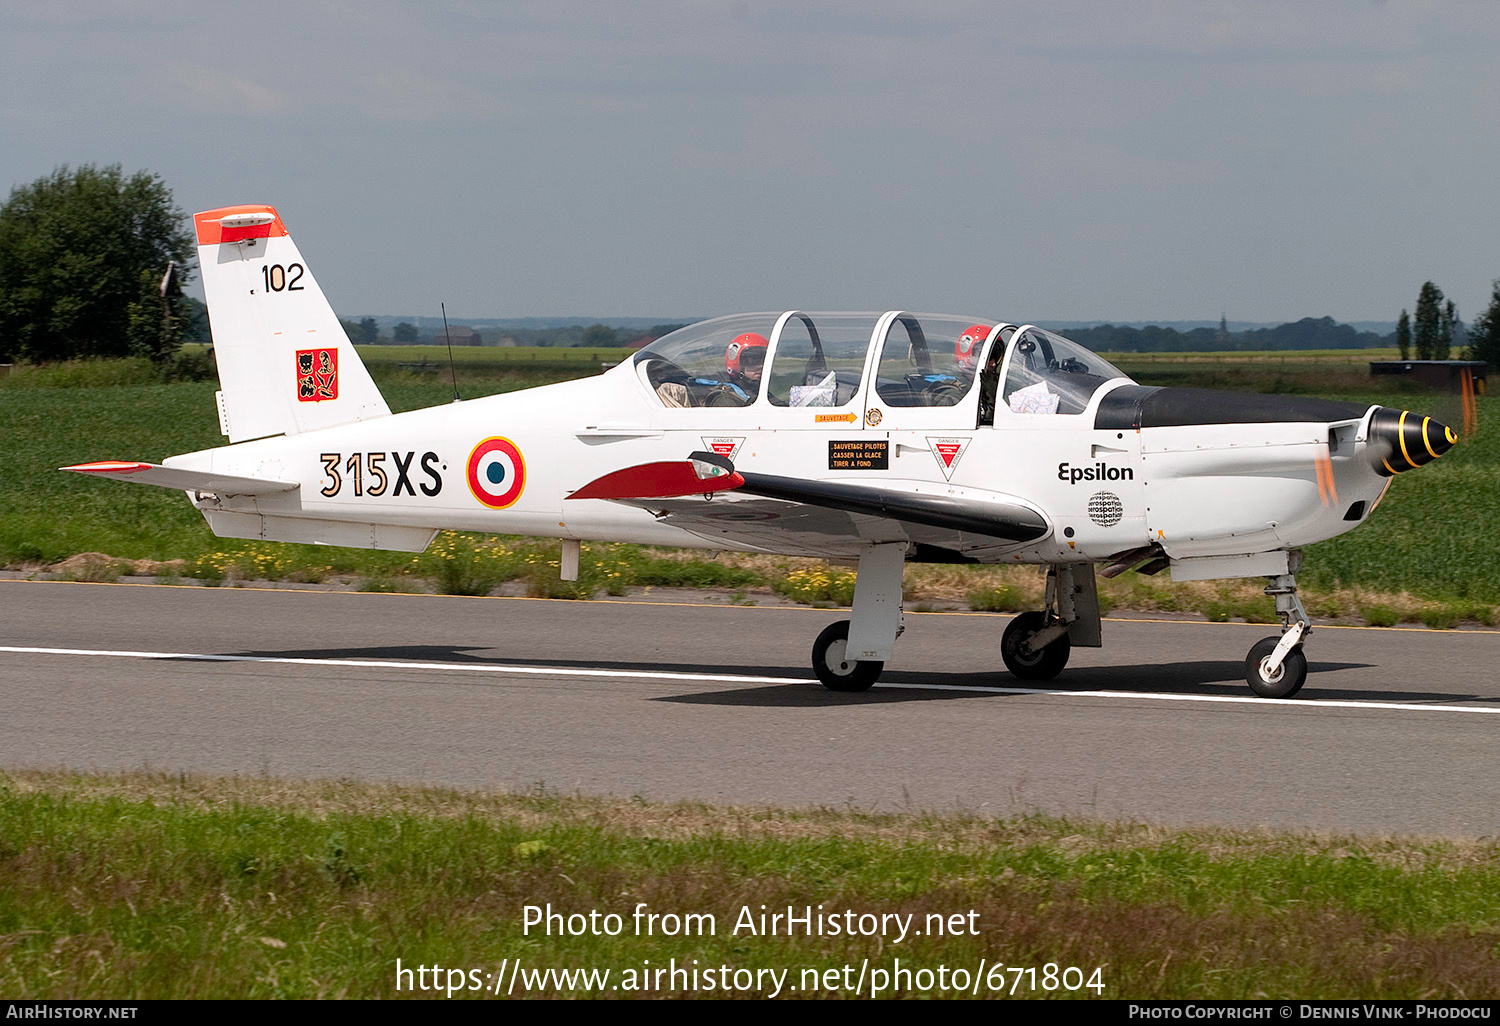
x=1127 y=160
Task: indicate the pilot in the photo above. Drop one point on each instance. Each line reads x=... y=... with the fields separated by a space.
x=966 y=349
x=745 y=360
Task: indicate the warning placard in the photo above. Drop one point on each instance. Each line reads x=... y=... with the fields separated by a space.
x=858 y=454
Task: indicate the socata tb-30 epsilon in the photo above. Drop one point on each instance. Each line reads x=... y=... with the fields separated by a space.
x=875 y=438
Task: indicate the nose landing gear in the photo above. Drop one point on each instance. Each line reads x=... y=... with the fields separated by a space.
x=1024 y=658
x=1276 y=667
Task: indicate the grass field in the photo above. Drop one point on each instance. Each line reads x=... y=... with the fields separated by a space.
x=153 y=886
x=1429 y=553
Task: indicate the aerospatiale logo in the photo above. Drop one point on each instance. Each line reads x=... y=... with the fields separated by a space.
x=729 y=447
x=948 y=452
x=317 y=375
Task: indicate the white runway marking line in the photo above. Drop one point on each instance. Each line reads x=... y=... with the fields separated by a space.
x=569 y=671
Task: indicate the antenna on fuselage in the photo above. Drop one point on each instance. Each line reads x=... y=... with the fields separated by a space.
x=451 y=366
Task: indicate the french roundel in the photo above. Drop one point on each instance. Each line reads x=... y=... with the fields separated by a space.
x=497 y=473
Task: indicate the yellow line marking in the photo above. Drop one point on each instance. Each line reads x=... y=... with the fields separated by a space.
x=1425 y=441
x=1388 y=466
x=731 y=605
x=1401 y=437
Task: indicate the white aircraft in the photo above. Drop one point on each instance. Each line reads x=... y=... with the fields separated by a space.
x=870 y=438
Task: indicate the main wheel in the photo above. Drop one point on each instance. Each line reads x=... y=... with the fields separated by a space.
x=837 y=672
x=1286 y=681
x=1043 y=665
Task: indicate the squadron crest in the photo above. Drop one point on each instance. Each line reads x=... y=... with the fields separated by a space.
x=317 y=375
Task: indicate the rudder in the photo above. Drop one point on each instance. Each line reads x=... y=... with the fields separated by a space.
x=285 y=364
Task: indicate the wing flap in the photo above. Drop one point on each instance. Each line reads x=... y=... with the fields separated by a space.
x=182 y=480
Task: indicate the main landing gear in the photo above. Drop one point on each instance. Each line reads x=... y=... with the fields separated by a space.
x=1276 y=667
x=849 y=655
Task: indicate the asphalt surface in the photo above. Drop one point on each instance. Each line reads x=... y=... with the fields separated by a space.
x=1396 y=731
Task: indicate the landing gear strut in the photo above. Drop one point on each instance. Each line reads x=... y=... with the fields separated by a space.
x=1036 y=646
x=1276 y=667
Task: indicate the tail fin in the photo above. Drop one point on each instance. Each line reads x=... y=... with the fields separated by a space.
x=285 y=364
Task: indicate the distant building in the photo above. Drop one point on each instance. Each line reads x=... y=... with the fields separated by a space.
x=461 y=336
x=1443 y=375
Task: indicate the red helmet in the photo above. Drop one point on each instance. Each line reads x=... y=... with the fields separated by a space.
x=967 y=347
x=746 y=353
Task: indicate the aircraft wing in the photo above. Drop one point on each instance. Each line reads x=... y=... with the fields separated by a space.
x=822 y=517
x=182 y=480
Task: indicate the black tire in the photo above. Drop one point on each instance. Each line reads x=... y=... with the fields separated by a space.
x=1287 y=683
x=1043 y=665
x=836 y=673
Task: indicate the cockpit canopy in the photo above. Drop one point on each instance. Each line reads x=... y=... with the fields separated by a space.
x=823 y=359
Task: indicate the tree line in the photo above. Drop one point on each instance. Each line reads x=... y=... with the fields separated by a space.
x=1436 y=330
x=93 y=261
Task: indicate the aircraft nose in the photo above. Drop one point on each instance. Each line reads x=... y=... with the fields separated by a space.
x=1401 y=440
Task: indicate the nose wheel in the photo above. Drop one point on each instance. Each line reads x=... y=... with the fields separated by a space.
x=1283 y=681
x=1277 y=667
x=1024 y=658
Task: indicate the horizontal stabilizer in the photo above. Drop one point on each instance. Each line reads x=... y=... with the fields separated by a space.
x=699 y=474
x=182 y=480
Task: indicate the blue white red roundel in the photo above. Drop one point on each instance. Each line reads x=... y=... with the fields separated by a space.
x=497 y=473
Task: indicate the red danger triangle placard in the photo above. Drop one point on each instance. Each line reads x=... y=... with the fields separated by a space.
x=724 y=446
x=948 y=452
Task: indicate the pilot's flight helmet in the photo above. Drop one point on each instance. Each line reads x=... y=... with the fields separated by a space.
x=966 y=350
x=746 y=355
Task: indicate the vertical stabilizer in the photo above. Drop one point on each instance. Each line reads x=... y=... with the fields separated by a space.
x=285 y=364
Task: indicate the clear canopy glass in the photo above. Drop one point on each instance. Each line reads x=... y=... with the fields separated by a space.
x=819 y=359
x=712 y=363
x=1049 y=374
x=929 y=359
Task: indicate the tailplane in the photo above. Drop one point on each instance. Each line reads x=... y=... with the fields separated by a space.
x=285 y=364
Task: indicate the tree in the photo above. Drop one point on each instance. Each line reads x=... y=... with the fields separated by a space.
x=598 y=335
x=1429 y=313
x=1484 y=333
x=76 y=250
x=1447 y=325
x=155 y=326
x=195 y=325
x=404 y=332
x=1403 y=336
x=369 y=331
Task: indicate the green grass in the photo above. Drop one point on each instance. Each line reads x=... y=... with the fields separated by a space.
x=151 y=886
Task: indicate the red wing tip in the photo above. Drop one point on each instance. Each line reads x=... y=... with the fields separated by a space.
x=110 y=467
